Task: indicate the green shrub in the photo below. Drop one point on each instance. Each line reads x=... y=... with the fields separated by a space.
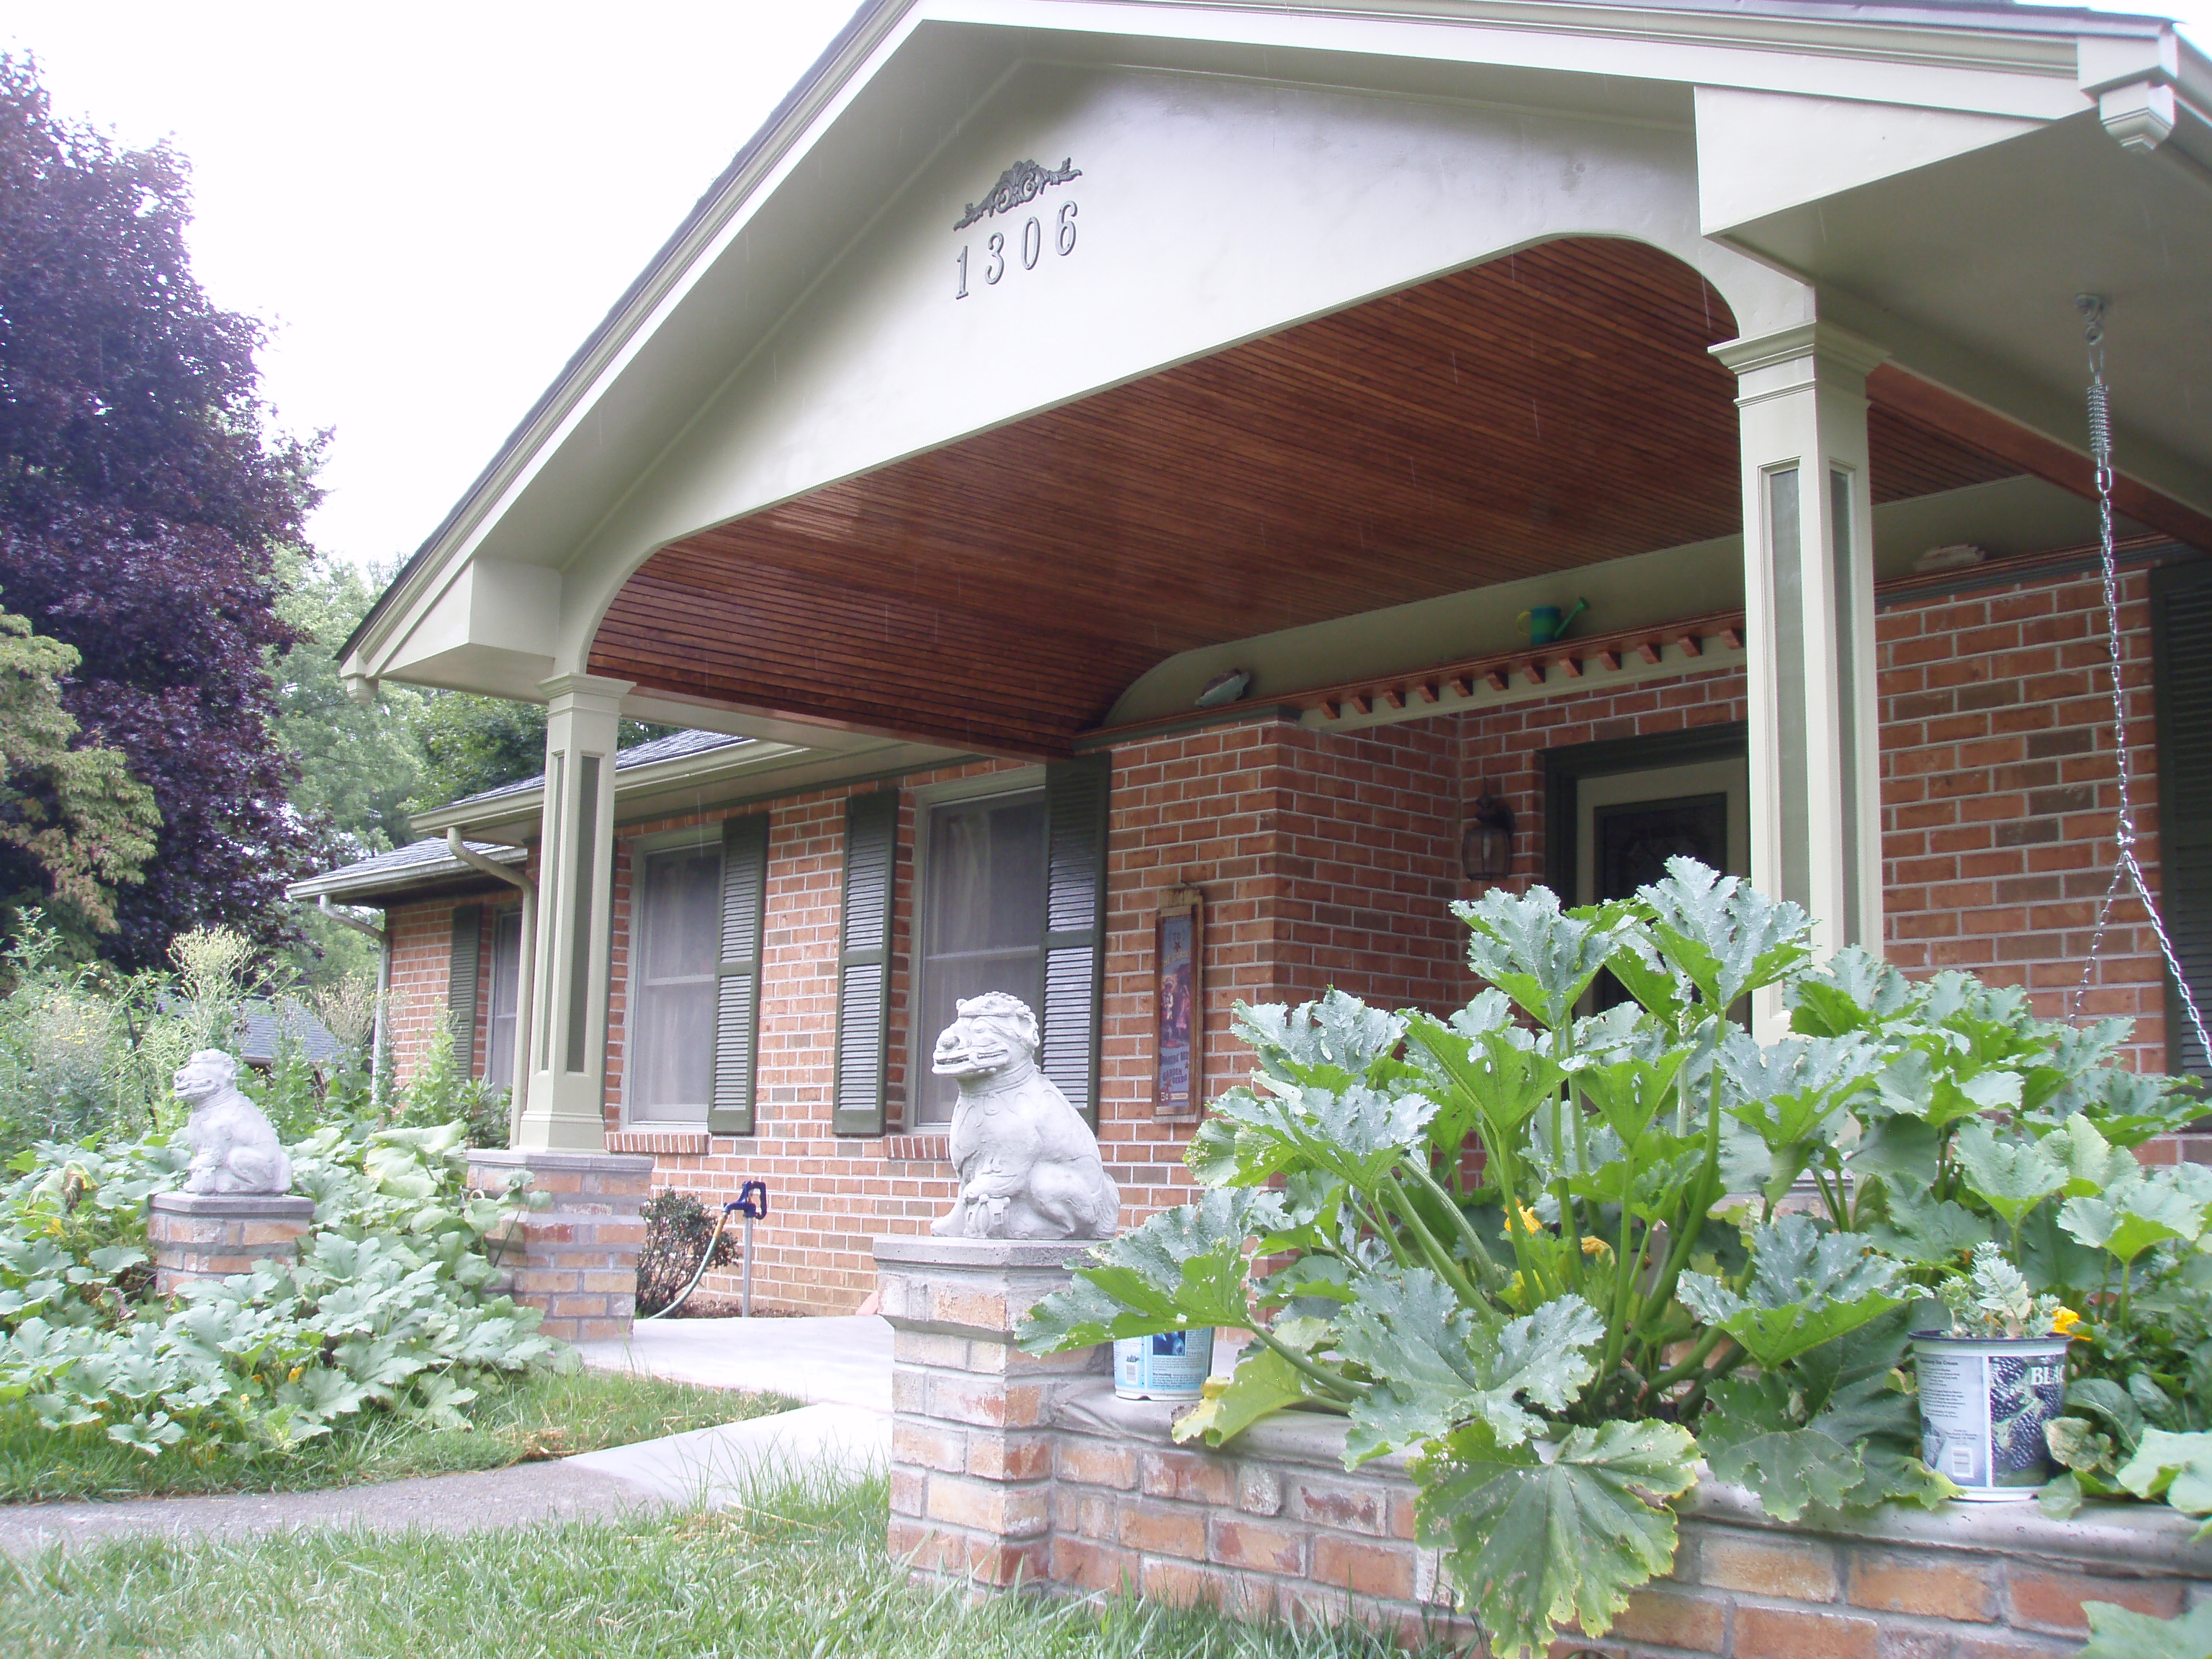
x=1559 y=1258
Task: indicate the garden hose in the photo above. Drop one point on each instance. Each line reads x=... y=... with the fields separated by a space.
x=752 y=1202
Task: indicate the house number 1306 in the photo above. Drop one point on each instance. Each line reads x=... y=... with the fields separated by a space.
x=1028 y=248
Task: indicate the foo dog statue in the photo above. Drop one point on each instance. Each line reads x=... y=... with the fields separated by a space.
x=1028 y=1162
x=235 y=1147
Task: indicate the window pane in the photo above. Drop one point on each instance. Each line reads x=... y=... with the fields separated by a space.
x=983 y=921
x=506 y=987
x=985 y=877
x=671 y=1046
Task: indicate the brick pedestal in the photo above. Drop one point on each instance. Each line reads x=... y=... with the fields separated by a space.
x=971 y=1441
x=214 y=1234
x=576 y=1262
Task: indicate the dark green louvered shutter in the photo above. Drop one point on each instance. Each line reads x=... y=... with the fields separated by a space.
x=461 y=979
x=864 y=963
x=2181 y=626
x=1074 y=926
x=738 y=975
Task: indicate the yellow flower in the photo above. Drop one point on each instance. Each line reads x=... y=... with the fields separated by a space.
x=297 y=1372
x=1593 y=1245
x=2068 y=1323
x=1529 y=1224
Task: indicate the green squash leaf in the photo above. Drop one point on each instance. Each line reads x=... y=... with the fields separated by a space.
x=2118 y=1632
x=1539 y=956
x=2131 y=1217
x=1913 y=1225
x=1537 y=1544
x=2012 y=1175
x=1183 y=1268
x=1263 y=1383
x=1721 y=935
x=1749 y=1439
x=1806 y=1288
x=1438 y=1363
x=2175 y=1467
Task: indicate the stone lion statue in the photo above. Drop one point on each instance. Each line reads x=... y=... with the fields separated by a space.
x=1028 y=1163
x=235 y=1147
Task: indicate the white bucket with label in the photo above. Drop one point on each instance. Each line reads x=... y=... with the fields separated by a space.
x=1171 y=1365
x=1982 y=1405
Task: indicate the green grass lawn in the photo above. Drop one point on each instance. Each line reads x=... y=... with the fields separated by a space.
x=795 y=1573
x=537 y=1416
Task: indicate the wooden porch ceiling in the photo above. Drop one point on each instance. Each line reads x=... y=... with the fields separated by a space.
x=1547 y=411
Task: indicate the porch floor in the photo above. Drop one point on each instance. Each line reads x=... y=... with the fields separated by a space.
x=826 y=1361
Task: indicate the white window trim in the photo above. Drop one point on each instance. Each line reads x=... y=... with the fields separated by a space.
x=641 y=848
x=960 y=792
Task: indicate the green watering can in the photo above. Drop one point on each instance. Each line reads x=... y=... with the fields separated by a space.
x=1544 y=622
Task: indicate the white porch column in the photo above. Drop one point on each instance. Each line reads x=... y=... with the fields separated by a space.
x=1808 y=595
x=568 y=1033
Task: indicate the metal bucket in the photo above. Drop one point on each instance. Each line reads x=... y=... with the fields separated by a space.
x=1982 y=1405
x=1171 y=1365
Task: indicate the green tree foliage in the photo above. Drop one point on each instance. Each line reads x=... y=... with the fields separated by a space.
x=471 y=744
x=73 y=808
x=358 y=764
x=141 y=511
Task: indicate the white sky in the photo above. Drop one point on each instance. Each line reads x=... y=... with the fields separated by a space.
x=432 y=205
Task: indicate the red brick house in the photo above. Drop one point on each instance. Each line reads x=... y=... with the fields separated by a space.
x=1157 y=526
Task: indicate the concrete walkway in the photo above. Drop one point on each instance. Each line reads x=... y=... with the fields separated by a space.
x=839 y=1361
x=841 y=1367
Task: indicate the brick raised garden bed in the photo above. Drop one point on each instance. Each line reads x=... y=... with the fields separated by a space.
x=1011 y=1470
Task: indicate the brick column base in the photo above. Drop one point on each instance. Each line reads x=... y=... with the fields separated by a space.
x=971 y=1437
x=576 y=1262
x=215 y=1234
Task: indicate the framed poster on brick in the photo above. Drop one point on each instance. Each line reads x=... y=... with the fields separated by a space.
x=1178 y=958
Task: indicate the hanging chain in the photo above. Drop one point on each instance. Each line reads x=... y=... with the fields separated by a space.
x=2127 y=870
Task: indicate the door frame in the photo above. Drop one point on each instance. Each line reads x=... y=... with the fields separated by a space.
x=1565 y=769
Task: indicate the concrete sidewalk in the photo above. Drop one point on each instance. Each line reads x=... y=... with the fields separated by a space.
x=706 y=1467
x=838 y=1361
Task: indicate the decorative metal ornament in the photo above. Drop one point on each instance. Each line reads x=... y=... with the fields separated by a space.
x=1020 y=184
x=1486 y=846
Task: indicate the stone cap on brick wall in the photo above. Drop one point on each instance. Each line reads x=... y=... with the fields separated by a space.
x=2150 y=1536
x=2145 y=1536
x=258 y=1206
x=1014 y=1254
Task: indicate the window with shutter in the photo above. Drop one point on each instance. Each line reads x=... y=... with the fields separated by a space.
x=461 y=977
x=1075 y=795
x=864 y=963
x=2181 y=623
x=737 y=986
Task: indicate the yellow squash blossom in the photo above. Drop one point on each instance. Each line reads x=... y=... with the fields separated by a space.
x=2068 y=1323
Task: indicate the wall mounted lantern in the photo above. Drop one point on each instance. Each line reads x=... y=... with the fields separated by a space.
x=1486 y=846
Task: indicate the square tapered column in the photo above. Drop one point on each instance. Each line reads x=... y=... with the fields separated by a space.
x=1808 y=599
x=569 y=1034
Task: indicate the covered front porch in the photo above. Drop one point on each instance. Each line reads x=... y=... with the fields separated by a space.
x=1205 y=422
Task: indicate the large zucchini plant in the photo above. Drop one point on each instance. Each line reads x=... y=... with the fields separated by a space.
x=1558 y=1257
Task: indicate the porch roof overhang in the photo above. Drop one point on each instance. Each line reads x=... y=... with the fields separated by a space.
x=672 y=489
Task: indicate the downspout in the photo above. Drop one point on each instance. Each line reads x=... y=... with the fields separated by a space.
x=525 y=979
x=383 y=938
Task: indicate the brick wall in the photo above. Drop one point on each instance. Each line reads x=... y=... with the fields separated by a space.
x=2000 y=787
x=1008 y=1469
